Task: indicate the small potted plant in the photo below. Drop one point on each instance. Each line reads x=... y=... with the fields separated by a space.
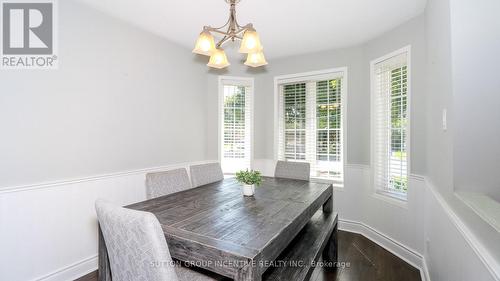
x=249 y=179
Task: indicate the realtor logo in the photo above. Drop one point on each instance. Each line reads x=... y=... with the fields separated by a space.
x=28 y=35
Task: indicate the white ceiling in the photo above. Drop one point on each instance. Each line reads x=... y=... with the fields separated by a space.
x=286 y=27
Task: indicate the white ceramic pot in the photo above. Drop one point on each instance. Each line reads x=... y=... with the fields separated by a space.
x=248 y=189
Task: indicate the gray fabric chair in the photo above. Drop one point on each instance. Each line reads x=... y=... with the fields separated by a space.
x=164 y=183
x=205 y=174
x=137 y=248
x=292 y=170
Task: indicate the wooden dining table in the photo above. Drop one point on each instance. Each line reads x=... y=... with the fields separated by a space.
x=216 y=228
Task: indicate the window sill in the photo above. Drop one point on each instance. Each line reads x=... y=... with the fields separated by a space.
x=398 y=199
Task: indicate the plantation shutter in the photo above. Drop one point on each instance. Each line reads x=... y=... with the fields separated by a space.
x=237 y=115
x=293 y=125
x=310 y=123
x=391 y=124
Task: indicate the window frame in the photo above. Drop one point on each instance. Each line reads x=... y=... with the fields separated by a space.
x=387 y=194
x=234 y=81
x=318 y=75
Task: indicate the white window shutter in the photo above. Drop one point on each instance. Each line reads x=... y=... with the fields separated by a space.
x=302 y=141
x=281 y=123
x=292 y=123
x=236 y=125
x=311 y=126
x=390 y=130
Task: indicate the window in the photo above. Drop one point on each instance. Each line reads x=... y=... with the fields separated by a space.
x=390 y=115
x=294 y=97
x=311 y=121
x=235 y=126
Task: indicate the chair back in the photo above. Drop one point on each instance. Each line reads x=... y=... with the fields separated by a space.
x=167 y=182
x=205 y=174
x=136 y=245
x=292 y=170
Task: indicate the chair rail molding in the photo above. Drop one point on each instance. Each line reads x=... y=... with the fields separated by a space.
x=43 y=226
x=56 y=183
x=57 y=223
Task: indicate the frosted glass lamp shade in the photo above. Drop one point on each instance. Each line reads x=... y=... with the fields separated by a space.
x=205 y=44
x=218 y=59
x=250 y=42
x=256 y=59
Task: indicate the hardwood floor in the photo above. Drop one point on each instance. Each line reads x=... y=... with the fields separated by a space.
x=89 y=277
x=362 y=260
x=365 y=260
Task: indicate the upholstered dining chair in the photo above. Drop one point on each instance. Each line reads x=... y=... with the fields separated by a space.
x=292 y=170
x=167 y=182
x=205 y=174
x=137 y=248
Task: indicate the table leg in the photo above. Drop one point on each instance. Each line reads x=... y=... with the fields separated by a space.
x=330 y=253
x=328 y=206
x=104 y=270
x=248 y=273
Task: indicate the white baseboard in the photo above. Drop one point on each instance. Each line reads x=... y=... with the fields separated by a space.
x=395 y=247
x=72 y=271
x=47 y=200
x=127 y=187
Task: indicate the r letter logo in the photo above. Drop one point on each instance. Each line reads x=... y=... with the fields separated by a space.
x=28 y=37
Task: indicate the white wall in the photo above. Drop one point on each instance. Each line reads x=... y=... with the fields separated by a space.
x=114 y=104
x=411 y=33
x=459 y=156
x=475 y=39
x=114 y=107
x=439 y=150
x=49 y=231
x=452 y=252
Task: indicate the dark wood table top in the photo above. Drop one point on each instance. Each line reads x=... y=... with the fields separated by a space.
x=216 y=222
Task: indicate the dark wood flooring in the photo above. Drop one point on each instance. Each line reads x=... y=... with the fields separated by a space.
x=365 y=260
x=362 y=260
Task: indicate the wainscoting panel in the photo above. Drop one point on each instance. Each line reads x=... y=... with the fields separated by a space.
x=49 y=231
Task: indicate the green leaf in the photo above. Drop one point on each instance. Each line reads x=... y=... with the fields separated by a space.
x=249 y=177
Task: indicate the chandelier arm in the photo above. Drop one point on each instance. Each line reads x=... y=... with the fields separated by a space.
x=233 y=14
x=242 y=29
x=223 y=40
x=226 y=24
x=227 y=38
x=218 y=31
x=233 y=27
x=230 y=31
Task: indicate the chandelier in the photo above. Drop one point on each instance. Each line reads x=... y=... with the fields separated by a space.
x=231 y=31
